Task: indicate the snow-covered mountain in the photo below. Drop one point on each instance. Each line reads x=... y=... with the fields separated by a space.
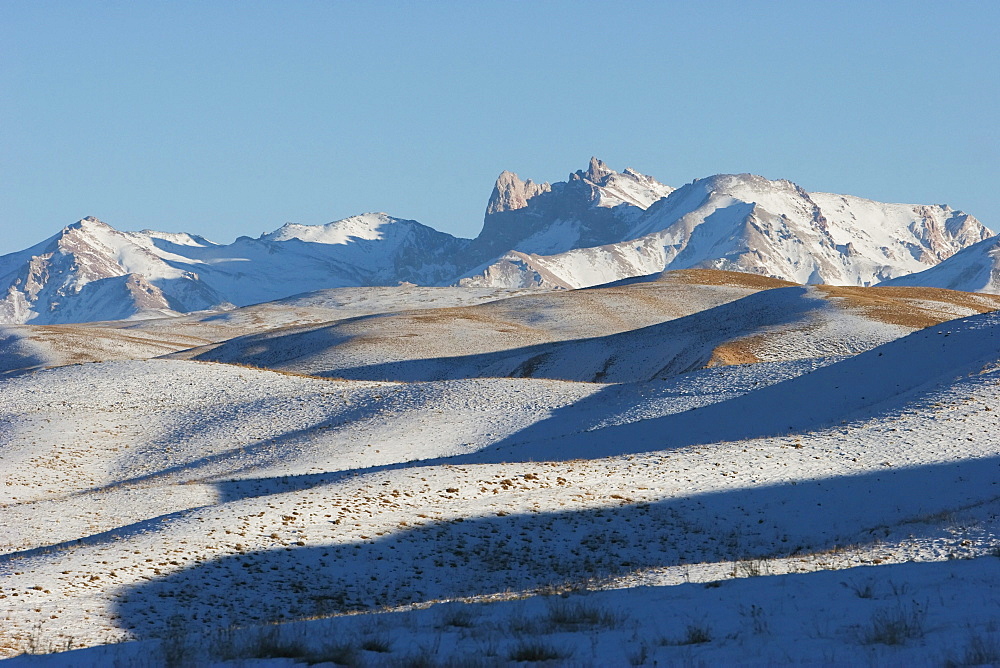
x=973 y=269
x=748 y=223
x=596 y=227
x=90 y=271
x=593 y=207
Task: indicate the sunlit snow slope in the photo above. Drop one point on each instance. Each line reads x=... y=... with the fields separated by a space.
x=973 y=269
x=748 y=223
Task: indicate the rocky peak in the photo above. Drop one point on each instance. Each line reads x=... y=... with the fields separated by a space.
x=90 y=222
x=511 y=193
x=596 y=174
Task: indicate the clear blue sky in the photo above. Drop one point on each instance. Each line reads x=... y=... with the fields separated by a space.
x=230 y=118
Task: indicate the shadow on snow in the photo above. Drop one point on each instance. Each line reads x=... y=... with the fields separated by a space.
x=455 y=558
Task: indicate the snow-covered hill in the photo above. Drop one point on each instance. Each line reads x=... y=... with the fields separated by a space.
x=636 y=331
x=830 y=510
x=25 y=348
x=597 y=227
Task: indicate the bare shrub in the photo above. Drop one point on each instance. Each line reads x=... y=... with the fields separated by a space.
x=575 y=615
x=979 y=651
x=460 y=616
x=379 y=644
x=534 y=650
x=894 y=626
x=694 y=634
x=864 y=589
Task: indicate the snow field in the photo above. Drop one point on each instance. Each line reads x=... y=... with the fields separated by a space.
x=758 y=514
x=308 y=540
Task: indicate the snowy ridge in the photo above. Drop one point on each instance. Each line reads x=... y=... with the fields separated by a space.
x=370 y=226
x=860 y=387
x=92 y=272
x=25 y=348
x=590 y=208
x=638 y=331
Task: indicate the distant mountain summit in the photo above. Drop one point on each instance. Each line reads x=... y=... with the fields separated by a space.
x=596 y=227
x=590 y=208
x=90 y=271
x=742 y=222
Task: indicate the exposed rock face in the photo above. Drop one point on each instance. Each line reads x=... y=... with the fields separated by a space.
x=590 y=208
x=597 y=172
x=511 y=193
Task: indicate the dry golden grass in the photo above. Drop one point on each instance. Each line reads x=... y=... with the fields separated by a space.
x=79 y=344
x=475 y=314
x=910 y=307
x=719 y=277
x=907 y=306
x=739 y=351
x=282 y=372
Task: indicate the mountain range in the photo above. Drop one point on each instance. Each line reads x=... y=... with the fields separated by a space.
x=596 y=227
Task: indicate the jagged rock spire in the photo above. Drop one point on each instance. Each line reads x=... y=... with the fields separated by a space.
x=597 y=171
x=511 y=193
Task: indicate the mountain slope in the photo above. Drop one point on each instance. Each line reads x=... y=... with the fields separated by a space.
x=747 y=223
x=973 y=269
x=592 y=207
x=371 y=249
x=596 y=227
x=90 y=271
